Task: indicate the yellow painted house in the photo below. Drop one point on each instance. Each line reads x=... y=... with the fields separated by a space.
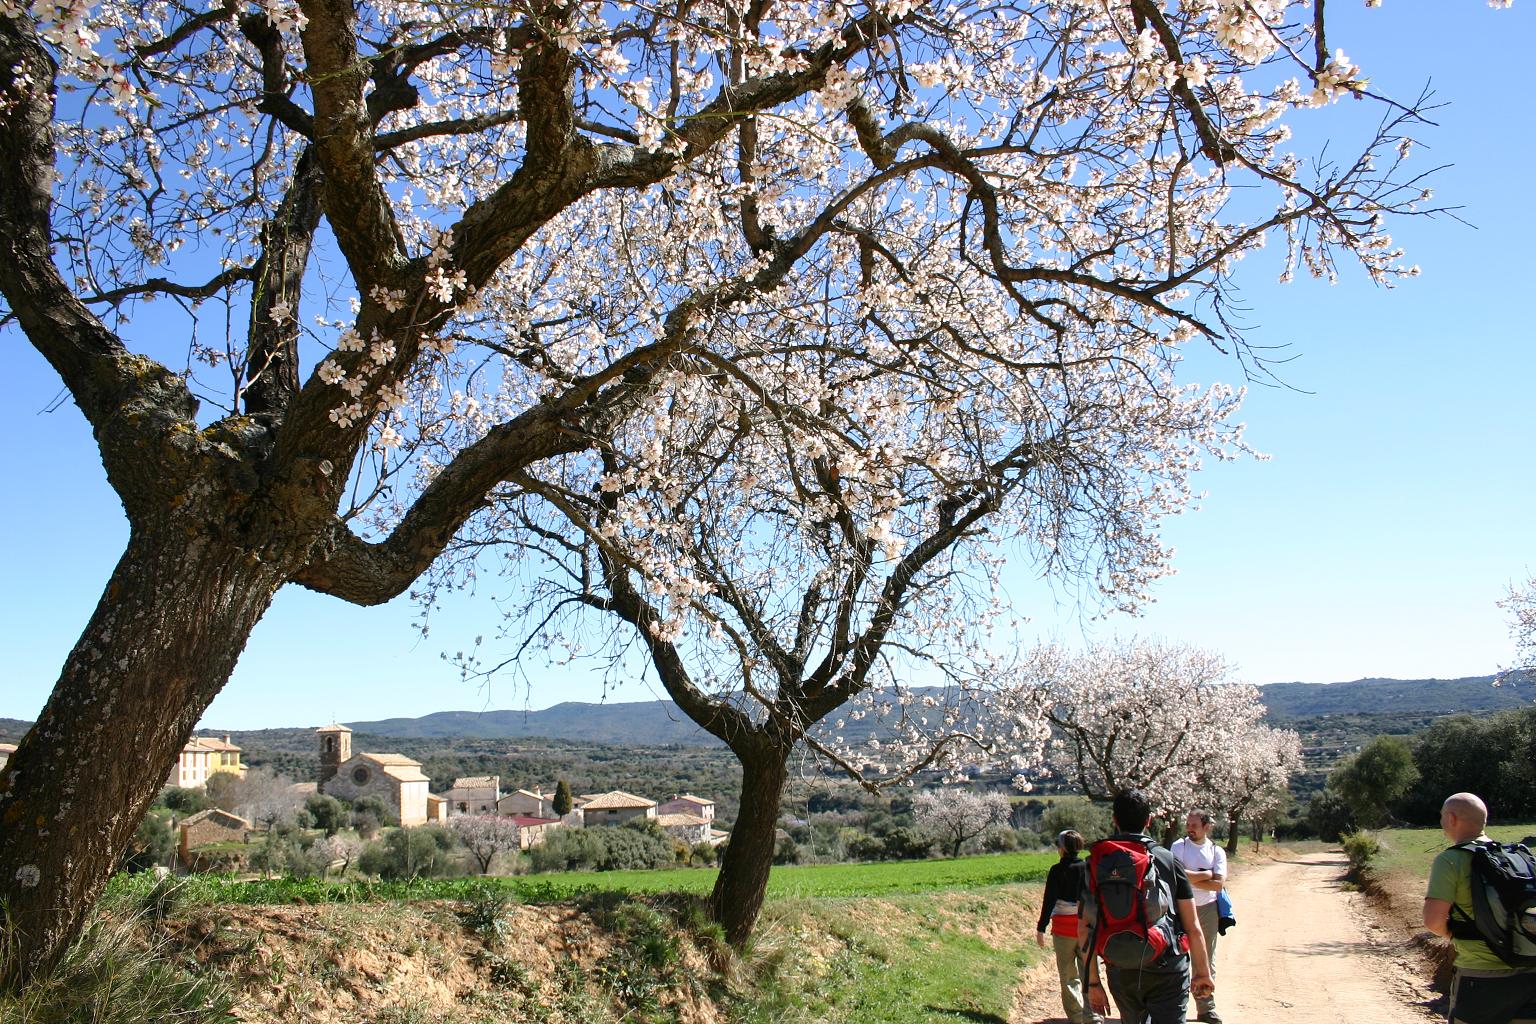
x=202 y=757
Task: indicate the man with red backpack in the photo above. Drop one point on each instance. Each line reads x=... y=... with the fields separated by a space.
x=1139 y=916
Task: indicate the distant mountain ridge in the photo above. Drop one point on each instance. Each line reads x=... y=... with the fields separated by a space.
x=660 y=722
x=1400 y=696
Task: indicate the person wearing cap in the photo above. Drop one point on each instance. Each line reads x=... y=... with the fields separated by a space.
x=1067 y=878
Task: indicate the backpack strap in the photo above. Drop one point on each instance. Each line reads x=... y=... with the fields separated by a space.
x=1459 y=923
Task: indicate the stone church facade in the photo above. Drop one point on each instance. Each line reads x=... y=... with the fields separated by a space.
x=394 y=778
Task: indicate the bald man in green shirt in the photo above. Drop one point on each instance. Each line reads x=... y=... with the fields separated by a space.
x=1485 y=990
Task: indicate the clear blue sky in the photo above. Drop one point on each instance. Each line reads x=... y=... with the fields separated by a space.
x=1398 y=506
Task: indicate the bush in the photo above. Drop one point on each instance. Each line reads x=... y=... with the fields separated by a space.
x=326 y=813
x=382 y=813
x=1000 y=840
x=1329 y=816
x=153 y=843
x=1091 y=819
x=602 y=849
x=907 y=843
x=863 y=846
x=787 y=851
x=1361 y=848
x=183 y=801
x=425 y=852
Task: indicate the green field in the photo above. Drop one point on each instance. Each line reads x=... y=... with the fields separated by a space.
x=818 y=881
x=1408 y=851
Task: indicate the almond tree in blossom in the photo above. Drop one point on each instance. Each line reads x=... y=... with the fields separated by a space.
x=486 y=835
x=1521 y=606
x=1248 y=781
x=958 y=816
x=1144 y=715
x=413 y=263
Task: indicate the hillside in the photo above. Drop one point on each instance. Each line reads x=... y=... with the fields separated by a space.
x=1386 y=705
x=660 y=722
x=1420 y=697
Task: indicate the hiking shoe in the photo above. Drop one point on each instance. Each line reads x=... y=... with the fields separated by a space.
x=1209 y=1017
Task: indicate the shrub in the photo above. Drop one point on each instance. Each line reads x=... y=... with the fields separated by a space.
x=382 y=813
x=863 y=846
x=1329 y=817
x=154 y=842
x=326 y=813
x=1000 y=840
x=907 y=843
x=1091 y=819
x=1361 y=848
x=602 y=849
x=183 y=801
x=426 y=852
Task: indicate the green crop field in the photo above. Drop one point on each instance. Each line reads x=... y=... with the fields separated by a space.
x=806 y=881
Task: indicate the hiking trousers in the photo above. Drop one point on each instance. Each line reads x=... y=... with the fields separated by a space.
x=1151 y=997
x=1067 y=970
x=1210 y=924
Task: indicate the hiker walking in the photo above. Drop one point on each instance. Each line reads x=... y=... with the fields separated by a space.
x=1495 y=977
x=1140 y=917
x=1205 y=864
x=1064 y=884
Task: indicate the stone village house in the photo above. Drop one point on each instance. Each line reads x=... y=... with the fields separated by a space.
x=201 y=758
x=613 y=808
x=476 y=794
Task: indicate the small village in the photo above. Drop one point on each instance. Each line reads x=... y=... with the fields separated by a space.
x=398 y=784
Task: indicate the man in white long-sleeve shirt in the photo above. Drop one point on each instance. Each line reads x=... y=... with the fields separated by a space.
x=1206 y=865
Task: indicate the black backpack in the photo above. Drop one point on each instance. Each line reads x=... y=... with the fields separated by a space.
x=1503 y=901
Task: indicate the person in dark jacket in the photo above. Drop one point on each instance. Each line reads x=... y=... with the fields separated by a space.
x=1058 y=908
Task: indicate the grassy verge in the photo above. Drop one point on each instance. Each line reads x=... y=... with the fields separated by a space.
x=802 y=881
x=912 y=959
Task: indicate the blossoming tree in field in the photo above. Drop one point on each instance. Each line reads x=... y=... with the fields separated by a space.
x=332 y=281
x=958 y=816
x=1161 y=718
x=486 y=835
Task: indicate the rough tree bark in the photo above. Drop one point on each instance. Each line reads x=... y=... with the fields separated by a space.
x=160 y=645
x=737 y=898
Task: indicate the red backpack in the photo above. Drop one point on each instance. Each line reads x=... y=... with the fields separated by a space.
x=1128 y=909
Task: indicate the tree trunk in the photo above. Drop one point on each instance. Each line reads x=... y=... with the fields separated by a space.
x=738 y=895
x=1234 y=831
x=159 y=646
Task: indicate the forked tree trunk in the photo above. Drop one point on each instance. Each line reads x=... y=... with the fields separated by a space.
x=738 y=895
x=159 y=646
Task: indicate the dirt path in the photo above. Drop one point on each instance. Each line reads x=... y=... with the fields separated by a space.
x=1304 y=952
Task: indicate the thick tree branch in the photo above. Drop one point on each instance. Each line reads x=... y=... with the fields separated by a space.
x=101 y=374
x=355 y=203
x=272 y=361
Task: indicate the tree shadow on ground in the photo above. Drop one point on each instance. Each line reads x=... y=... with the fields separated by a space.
x=975 y=1015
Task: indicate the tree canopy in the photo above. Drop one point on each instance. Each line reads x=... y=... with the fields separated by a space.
x=338 y=285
